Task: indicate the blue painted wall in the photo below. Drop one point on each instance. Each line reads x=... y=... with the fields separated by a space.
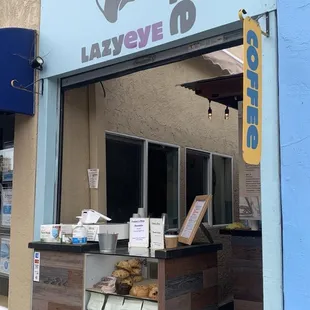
x=294 y=105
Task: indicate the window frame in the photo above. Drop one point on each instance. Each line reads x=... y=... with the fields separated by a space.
x=210 y=182
x=146 y=143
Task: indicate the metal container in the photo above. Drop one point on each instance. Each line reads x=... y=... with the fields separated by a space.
x=107 y=242
x=165 y=219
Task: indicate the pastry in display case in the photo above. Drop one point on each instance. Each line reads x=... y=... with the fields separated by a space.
x=127 y=280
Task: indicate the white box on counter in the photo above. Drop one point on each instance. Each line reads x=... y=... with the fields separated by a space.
x=50 y=233
x=121 y=229
x=66 y=233
x=63 y=232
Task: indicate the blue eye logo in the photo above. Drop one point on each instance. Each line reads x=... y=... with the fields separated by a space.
x=111 y=8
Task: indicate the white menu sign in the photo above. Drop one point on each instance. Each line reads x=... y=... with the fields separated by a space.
x=139 y=232
x=93 y=178
x=157 y=234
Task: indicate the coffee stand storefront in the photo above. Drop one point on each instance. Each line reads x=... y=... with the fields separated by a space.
x=186 y=29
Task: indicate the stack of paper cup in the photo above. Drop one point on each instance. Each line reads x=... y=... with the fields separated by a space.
x=141 y=212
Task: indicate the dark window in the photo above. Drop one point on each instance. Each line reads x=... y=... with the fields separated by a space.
x=163 y=182
x=124 y=160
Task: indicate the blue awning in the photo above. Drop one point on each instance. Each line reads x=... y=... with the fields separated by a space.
x=16 y=53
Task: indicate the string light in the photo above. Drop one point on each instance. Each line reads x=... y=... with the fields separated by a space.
x=226 y=113
x=210 y=111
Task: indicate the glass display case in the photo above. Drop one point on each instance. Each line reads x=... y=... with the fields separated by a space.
x=6 y=185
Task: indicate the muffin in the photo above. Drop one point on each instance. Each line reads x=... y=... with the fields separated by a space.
x=140 y=291
x=120 y=274
x=136 y=279
x=153 y=293
x=134 y=263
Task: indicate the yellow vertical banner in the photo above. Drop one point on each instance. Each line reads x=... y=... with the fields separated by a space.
x=252 y=92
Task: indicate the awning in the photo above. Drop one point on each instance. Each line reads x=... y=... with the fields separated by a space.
x=227 y=62
x=227 y=90
x=16 y=54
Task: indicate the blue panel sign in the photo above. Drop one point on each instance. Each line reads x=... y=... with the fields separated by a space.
x=103 y=30
x=16 y=54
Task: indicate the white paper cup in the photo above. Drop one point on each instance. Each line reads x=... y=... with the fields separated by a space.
x=141 y=212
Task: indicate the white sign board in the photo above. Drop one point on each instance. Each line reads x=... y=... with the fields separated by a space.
x=79 y=35
x=139 y=231
x=6 y=207
x=5 y=255
x=157 y=234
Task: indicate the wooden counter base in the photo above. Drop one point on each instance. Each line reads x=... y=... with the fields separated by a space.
x=188 y=283
x=247 y=273
x=247 y=269
x=184 y=283
x=61 y=282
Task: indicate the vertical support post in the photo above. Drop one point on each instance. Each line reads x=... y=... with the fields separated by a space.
x=47 y=156
x=270 y=175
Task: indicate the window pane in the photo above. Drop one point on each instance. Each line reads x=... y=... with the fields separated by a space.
x=124 y=159
x=163 y=176
x=222 y=189
x=197 y=182
x=6 y=178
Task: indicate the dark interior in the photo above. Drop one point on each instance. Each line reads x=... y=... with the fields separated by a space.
x=194 y=178
x=157 y=181
x=124 y=179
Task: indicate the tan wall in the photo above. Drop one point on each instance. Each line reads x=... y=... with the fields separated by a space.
x=146 y=104
x=26 y=14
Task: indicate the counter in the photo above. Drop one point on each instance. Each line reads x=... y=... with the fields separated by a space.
x=246 y=268
x=187 y=276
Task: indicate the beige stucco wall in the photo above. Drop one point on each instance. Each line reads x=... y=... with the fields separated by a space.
x=145 y=104
x=25 y=14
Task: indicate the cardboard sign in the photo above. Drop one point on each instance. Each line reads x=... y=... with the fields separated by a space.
x=252 y=92
x=194 y=219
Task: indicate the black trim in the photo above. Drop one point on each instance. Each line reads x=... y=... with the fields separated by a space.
x=60 y=247
x=241 y=233
x=93 y=248
x=60 y=156
x=188 y=250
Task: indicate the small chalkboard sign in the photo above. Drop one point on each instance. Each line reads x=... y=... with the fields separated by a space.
x=194 y=219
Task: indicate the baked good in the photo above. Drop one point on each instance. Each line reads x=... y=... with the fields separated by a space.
x=123 y=264
x=127 y=281
x=135 y=271
x=136 y=279
x=153 y=293
x=106 y=285
x=139 y=291
x=152 y=285
x=123 y=289
x=120 y=274
x=134 y=263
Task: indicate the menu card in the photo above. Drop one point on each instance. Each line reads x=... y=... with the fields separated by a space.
x=192 y=219
x=139 y=232
x=157 y=234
